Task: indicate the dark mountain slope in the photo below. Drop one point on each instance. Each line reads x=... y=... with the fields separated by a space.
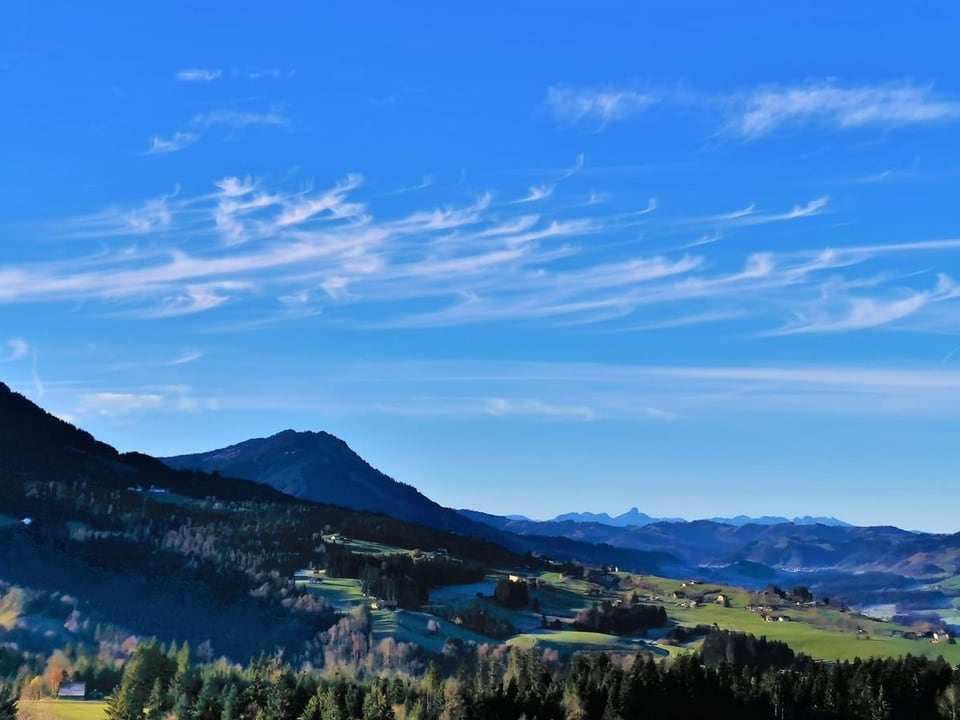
x=36 y=445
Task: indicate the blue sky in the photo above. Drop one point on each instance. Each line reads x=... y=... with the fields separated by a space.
x=528 y=260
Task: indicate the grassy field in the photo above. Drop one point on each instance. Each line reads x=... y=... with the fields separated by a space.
x=343 y=593
x=458 y=593
x=62 y=709
x=822 y=633
x=567 y=641
x=370 y=548
x=412 y=627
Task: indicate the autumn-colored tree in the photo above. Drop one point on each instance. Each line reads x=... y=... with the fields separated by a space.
x=57 y=670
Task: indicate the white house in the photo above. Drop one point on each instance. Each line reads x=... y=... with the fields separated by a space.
x=73 y=690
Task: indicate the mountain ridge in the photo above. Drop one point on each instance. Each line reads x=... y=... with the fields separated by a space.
x=635 y=518
x=40 y=445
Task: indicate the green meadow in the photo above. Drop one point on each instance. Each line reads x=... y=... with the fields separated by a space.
x=342 y=593
x=50 y=709
x=824 y=633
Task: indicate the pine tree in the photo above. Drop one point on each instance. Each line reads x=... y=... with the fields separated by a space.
x=8 y=704
x=231 y=704
x=156 y=702
x=147 y=667
x=376 y=706
x=208 y=705
x=948 y=703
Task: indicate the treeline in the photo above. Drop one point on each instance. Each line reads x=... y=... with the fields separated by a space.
x=745 y=651
x=497 y=683
x=623 y=619
x=400 y=577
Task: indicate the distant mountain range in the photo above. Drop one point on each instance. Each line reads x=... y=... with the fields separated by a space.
x=879 y=558
x=634 y=518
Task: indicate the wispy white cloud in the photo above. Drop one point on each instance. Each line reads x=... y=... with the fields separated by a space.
x=201 y=123
x=575 y=168
x=154 y=215
x=750 y=215
x=237 y=119
x=705 y=239
x=814 y=207
x=701 y=318
x=176 y=142
x=17 y=348
x=196 y=298
x=597 y=106
x=39 y=387
x=673 y=392
x=827 y=103
x=425 y=182
x=331 y=203
x=874 y=178
x=186 y=358
x=527 y=407
x=843 y=314
x=757 y=112
x=268 y=74
x=537 y=192
x=334 y=252
x=858 y=314
x=737 y=214
x=115 y=403
x=199 y=75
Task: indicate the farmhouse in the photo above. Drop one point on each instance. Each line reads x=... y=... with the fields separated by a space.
x=73 y=690
x=381 y=604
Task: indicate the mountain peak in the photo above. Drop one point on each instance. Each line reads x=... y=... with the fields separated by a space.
x=319 y=466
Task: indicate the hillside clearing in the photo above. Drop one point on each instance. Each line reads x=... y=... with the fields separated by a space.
x=51 y=709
